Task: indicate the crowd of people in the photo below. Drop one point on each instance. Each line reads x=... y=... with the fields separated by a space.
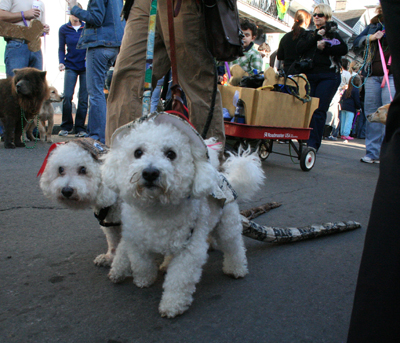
x=91 y=40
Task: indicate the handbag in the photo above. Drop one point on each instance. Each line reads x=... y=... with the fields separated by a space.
x=223 y=33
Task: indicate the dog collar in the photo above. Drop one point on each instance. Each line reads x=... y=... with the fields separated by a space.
x=101 y=216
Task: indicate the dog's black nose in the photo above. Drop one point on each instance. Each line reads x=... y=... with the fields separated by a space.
x=150 y=174
x=67 y=191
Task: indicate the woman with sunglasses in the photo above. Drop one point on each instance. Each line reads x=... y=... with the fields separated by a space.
x=321 y=52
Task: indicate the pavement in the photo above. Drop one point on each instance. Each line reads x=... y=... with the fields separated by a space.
x=50 y=290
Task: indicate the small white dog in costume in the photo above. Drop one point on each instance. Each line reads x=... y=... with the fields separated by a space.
x=71 y=176
x=173 y=198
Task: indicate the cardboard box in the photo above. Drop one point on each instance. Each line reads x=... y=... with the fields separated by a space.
x=267 y=108
x=246 y=94
x=284 y=110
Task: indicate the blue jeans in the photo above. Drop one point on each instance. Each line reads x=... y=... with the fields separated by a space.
x=98 y=61
x=70 y=78
x=17 y=55
x=324 y=87
x=346 y=122
x=361 y=122
x=375 y=97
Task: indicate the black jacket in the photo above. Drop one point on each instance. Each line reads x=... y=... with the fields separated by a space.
x=307 y=48
x=287 y=50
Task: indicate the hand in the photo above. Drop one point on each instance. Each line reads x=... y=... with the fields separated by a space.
x=61 y=67
x=33 y=13
x=321 y=32
x=71 y=3
x=376 y=36
x=220 y=78
x=321 y=45
x=46 y=29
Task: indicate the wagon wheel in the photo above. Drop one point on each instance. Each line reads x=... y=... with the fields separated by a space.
x=265 y=149
x=307 y=159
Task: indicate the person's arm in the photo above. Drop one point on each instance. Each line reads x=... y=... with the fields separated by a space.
x=16 y=17
x=280 y=55
x=360 y=39
x=307 y=41
x=61 y=48
x=336 y=50
x=94 y=16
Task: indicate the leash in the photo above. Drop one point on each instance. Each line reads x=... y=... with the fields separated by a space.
x=176 y=90
x=23 y=129
x=385 y=71
x=149 y=59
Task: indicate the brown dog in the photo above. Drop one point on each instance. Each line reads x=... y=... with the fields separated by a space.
x=380 y=115
x=46 y=114
x=21 y=98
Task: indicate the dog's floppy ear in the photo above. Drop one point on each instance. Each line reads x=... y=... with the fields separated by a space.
x=109 y=170
x=206 y=176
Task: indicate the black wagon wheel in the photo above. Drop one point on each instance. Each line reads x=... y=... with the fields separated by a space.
x=307 y=159
x=265 y=149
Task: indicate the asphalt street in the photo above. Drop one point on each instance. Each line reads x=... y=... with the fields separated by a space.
x=50 y=290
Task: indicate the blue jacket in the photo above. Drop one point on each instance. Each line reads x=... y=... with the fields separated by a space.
x=103 y=24
x=75 y=58
x=353 y=103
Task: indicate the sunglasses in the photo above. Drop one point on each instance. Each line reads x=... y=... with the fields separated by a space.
x=319 y=15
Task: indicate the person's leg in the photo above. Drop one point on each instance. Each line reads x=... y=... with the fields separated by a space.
x=81 y=111
x=324 y=87
x=36 y=60
x=197 y=74
x=342 y=122
x=348 y=122
x=374 y=132
x=16 y=56
x=155 y=96
x=70 y=78
x=124 y=102
x=98 y=61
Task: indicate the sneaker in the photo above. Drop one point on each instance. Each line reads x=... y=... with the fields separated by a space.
x=332 y=138
x=367 y=159
x=63 y=133
x=81 y=134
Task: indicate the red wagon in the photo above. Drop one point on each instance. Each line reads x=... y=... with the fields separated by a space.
x=262 y=137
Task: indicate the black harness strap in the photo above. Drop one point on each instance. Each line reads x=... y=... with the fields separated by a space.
x=101 y=216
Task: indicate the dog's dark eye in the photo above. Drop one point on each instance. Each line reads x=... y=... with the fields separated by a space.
x=138 y=153
x=82 y=170
x=61 y=170
x=170 y=154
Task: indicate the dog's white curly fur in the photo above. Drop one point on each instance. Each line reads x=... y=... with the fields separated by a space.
x=165 y=184
x=73 y=178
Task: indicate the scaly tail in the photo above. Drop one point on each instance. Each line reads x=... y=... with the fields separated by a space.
x=287 y=235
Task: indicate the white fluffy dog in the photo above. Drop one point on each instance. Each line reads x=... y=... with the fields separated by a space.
x=72 y=177
x=173 y=198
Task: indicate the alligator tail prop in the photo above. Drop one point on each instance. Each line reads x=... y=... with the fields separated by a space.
x=287 y=235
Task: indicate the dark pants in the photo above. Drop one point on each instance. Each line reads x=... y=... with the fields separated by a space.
x=376 y=310
x=71 y=76
x=324 y=87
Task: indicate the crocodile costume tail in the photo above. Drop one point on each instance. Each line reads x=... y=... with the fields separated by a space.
x=287 y=235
